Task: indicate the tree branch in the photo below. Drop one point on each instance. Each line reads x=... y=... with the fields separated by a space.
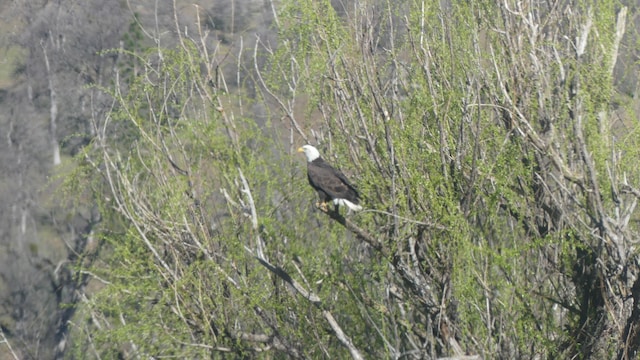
x=282 y=274
x=5 y=341
x=359 y=232
x=315 y=300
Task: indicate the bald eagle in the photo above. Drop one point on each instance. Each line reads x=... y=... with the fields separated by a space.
x=331 y=184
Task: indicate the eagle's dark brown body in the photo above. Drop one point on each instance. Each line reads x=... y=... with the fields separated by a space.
x=330 y=183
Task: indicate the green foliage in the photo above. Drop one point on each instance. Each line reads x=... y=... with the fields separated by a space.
x=473 y=159
x=175 y=253
x=133 y=37
x=444 y=152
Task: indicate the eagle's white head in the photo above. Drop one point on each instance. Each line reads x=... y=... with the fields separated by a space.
x=310 y=152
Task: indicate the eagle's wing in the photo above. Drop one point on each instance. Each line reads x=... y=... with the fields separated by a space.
x=333 y=182
x=341 y=176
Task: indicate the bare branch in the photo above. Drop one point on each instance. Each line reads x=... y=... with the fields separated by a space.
x=5 y=341
x=359 y=232
x=620 y=28
x=313 y=298
x=288 y=109
x=344 y=339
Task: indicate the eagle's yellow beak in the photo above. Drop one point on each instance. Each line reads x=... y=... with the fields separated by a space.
x=300 y=149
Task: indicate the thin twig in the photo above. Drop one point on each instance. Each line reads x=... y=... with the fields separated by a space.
x=5 y=341
x=434 y=226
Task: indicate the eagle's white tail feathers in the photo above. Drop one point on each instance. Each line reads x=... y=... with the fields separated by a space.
x=347 y=203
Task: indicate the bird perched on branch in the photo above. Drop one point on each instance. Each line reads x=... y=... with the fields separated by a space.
x=331 y=184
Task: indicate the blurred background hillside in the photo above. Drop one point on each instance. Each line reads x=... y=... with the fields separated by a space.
x=54 y=59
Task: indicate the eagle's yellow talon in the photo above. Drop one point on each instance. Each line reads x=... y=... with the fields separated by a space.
x=322 y=206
